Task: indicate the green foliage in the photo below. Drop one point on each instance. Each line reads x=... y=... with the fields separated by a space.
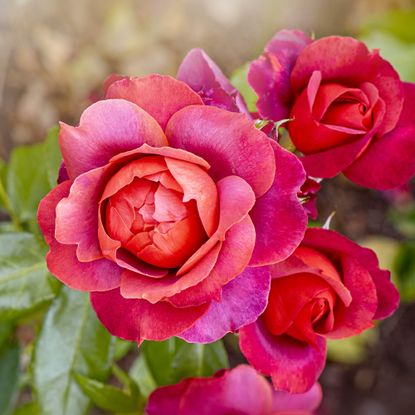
x=71 y=341
x=25 y=283
x=404 y=267
x=174 y=359
x=240 y=82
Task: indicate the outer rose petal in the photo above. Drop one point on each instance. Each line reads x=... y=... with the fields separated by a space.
x=229 y=142
x=243 y=300
x=269 y=75
x=202 y=74
x=138 y=320
x=293 y=366
x=240 y=390
x=280 y=220
x=287 y=403
x=331 y=243
x=160 y=96
x=390 y=159
x=106 y=129
x=351 y=54
x=61 y=259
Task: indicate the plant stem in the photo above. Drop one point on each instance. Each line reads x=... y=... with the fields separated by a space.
x=4 y=199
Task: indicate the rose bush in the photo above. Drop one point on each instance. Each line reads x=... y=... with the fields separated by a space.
x=169 y=211
x=329 y=288
x=350 y=111
x=240 y=390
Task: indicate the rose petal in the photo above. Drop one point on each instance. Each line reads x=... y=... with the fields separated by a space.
x=106 y=129
x=160 y=96
x=138 y=320
x=226 y=140
x=280 y=220
x=243 y=300
x=288 y=403
x=293 y=366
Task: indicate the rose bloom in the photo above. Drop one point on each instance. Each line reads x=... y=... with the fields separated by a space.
x=329 y=288
x=169 y=212
x=350 y=111
x=239 y=391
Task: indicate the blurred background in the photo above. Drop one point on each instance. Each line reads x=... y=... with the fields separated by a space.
x=54 y=56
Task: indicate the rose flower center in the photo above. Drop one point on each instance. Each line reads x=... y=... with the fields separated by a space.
x=301 y=313
x=148 y=213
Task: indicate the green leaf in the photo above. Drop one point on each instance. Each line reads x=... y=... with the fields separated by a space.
x=3 y=173
x=72 y=340
x=32 y=172
x=30 y=408
x=25 y=283
x=141 y=374
x=174 y=359
x=404 y=267
x=239 y=80
x=9 y=376
x=109 y=397
x=122 y=348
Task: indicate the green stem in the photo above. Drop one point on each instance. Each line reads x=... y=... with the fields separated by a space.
x=4 y=199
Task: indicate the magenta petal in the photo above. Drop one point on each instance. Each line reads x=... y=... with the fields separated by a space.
x=107 y=128
x=229 y=142
x=77 y=215
x=279 y=218
x=138 y=320
x=61 y=259
x=269 y=75
x=202 y=74
x=160 y=96
x=166 y=400
x=390 y=159
x=293 y=366
x=299 y=403
x=243 y=300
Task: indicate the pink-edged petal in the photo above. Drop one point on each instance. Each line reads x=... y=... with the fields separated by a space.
x=77 y=214
x=390 y=159
x=294 y=366
x=279 y=218
x=236 y=199
x=160 y=96
x=138 y=320
x=269 y=75
x=167 y=399
x=298 y=403
x=332 y=242
x=229 y=142
x=136 y=286
x=351 y=54
x=170 y=152
x=234 y=256
x=61 y=259
x=239 y=391
x=358 y=316
x=199 y=186
x=243 y=300
x=202 y=74
x=106 y=129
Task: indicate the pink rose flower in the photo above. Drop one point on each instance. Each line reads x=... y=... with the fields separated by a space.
x=168 y=210
x=351 y=112
x=239 y=391
x=329 y=288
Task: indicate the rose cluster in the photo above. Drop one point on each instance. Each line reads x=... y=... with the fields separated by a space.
x=182 y=218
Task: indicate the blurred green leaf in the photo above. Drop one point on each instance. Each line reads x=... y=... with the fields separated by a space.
x=404 y=268
x=121 y=348
x=25 y=283
x=30 y=408
x=174 y=359
x=9 y=376
x=31 y=173
x=352 y=349
x=72 y=340
x=401 y=55
x=141 y=374
x=109 y=397
x=240 y=82
x=400 y=23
